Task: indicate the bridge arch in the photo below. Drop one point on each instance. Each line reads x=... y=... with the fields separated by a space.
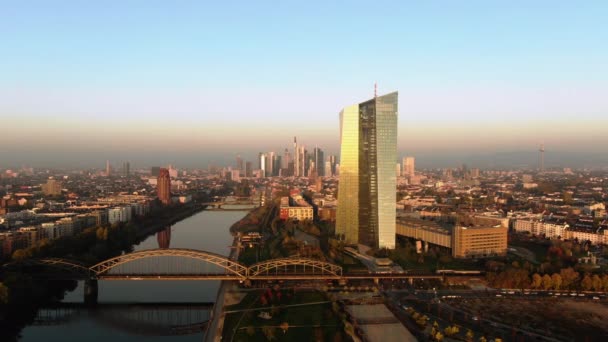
x=294 y=266
x=228 y=265
x=74 y=269
x=65 y=264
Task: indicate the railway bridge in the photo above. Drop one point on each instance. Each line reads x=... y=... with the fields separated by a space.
x=189 y=264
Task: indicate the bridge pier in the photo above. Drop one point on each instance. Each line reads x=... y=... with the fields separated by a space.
x=91 y=289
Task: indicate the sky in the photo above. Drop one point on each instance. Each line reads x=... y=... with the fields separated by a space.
x=198 y=82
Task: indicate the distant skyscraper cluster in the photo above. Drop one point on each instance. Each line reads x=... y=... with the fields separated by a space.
x=366 y=192
x=124 y=171
x=295 y=162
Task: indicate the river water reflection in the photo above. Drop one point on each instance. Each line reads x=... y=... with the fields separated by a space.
x=207 y=230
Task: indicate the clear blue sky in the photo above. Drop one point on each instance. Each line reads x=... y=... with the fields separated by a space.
x=122 y=79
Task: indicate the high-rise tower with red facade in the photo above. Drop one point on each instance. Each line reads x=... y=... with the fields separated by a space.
x=163 y=186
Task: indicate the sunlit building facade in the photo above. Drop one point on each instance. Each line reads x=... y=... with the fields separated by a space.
x=347 y=216
x=409 y=166
x=163 y=186
x=367 y=188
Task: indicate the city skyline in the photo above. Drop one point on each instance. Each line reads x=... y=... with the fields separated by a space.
x=151 y=83
x=303 y=171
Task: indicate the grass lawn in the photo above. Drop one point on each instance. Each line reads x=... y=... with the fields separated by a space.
x=539 y=250
x=305 y=322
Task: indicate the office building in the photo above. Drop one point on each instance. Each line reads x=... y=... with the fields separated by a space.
x=328 y=172
x=318 y=160
x=303 y=161
x=239 y=163
x=234 y=175
x=476 y=236
x=173 y=172
x=296 y=158
x=333 y=162
x=409 y=168
x=287 y=164
x=52 y=188
x=163 y=186
x=278 y=161
x=108 y=168
x=367 y=187
x=262 y=163
x=126 y=169
x=270 y=164
x=469 y=237
x=295 y=208
x=248 y=169
x=427 y=231
x=479 y=241
x=286 y=159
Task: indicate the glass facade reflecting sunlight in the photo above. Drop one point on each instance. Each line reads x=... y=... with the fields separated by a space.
x=367 y=189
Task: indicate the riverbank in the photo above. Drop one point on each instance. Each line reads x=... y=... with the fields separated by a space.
x=27 y=294
x=216 y=326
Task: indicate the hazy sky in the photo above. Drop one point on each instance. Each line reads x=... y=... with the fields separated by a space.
x=193 y=81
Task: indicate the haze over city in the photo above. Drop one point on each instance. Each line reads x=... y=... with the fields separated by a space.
x=193 y=83
x=381 y=171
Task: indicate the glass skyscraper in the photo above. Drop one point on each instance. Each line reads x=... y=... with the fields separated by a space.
x=367 y=188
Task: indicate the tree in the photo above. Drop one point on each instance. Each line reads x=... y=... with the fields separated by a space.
x=318 y=332
x=547 y=282
x=21 y=254
x=268 y=332
x=556 y=279
x=537 y=281
x=102 y=233
x=587 y=283
x=3 y=294
x=597 y=282
x=569 y=277
x=451 y=330
x=470 y=336
x=605 y=282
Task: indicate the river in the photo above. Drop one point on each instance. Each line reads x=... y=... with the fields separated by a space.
x=207 y=230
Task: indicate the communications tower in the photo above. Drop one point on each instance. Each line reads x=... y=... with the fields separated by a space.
x=541 y=160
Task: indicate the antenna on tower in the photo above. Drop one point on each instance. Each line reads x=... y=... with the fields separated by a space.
x=375 y=89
